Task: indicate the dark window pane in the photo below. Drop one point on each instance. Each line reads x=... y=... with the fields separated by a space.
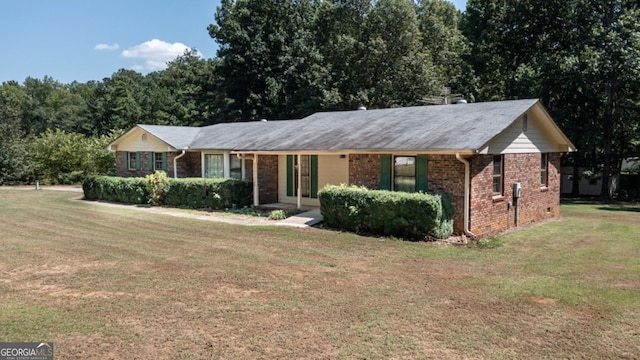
x=404 y=173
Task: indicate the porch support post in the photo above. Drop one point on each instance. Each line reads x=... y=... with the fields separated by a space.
x=299 y=181
x=256 y=188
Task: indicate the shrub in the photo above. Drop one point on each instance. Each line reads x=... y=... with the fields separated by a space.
x=278 y=215
x=197 y=193
x=157 y=184
x=159 y=190
x=407 y=215
x=116 y=189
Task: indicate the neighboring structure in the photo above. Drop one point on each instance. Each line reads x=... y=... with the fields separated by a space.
x=478 y=153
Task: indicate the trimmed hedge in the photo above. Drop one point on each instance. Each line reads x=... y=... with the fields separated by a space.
x=406 y=215
x=196 y=193
x=116 y=189
x=193 y=193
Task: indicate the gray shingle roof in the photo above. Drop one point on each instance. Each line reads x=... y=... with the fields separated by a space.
x=229 y=136
x=180 y=137
x=441 y=127
x=425 y=128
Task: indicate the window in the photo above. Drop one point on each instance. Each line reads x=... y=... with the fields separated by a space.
x=235 y=164
x=305 y=181
x=132 y=160
x=158 y=161
x=544 y=170
x=404 y=173
x=497 y=174
x=213 y=166
x=308 y=175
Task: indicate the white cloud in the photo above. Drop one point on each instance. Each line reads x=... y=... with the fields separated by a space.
x=107 y=47
x=156 y=53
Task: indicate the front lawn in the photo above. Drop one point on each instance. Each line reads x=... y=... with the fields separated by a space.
x=107 y=282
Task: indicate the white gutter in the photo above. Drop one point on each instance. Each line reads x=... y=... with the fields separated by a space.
x=467 y=200
x=175 y=163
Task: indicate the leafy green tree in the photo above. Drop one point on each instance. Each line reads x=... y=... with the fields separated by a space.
x=444 y=41
x=67 y=158
x=374 y=55
x=268 y=61
x=186 y=93
x=15 y=163
x=580 y=57
x=118 y=101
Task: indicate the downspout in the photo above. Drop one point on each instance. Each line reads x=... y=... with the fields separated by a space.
x=299 y=180
x=467 y=200
x=175 y=163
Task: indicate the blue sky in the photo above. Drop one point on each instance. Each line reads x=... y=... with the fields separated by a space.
x=86 y=40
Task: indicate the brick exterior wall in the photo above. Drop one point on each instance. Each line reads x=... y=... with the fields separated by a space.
x=492 y=214
x=268 y=178
x=445 y=174
x=364 y=170
x=188 y=165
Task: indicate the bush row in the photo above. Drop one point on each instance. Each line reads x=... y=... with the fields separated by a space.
x=187 y=193
x=406 y=215
x=116 y=189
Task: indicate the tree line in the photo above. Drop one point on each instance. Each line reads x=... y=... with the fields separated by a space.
x=286 y=59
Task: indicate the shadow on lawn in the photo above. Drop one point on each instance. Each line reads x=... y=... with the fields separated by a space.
x=617 y=207
x=604 y=205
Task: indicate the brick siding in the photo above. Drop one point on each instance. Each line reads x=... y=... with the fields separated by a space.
x=492 y=214
x=268 y=178
x=188 y=165
x=364 y=170
x=445 y=174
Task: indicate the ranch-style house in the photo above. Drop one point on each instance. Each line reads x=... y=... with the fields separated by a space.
x=499 y=161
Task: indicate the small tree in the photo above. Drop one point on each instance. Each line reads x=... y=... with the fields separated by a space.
x=157 y=187
x=67 y=158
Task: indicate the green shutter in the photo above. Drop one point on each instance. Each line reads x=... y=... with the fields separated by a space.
x=421 y=172
x=289 y=175
x=385 y=172
x=150 y=160
x=314 y=176
x=138 y=160
x=164 y=161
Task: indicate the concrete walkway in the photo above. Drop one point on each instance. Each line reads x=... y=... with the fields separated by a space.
x=302 y=220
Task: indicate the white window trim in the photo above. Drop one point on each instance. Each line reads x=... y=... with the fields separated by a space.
x=393 y=171
x=226 y=162
x=129 y=160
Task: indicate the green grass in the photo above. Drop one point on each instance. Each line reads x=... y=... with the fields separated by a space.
x=127 y=283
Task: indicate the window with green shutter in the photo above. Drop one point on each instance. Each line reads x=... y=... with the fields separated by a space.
x=308 y=169
x=403 y=173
